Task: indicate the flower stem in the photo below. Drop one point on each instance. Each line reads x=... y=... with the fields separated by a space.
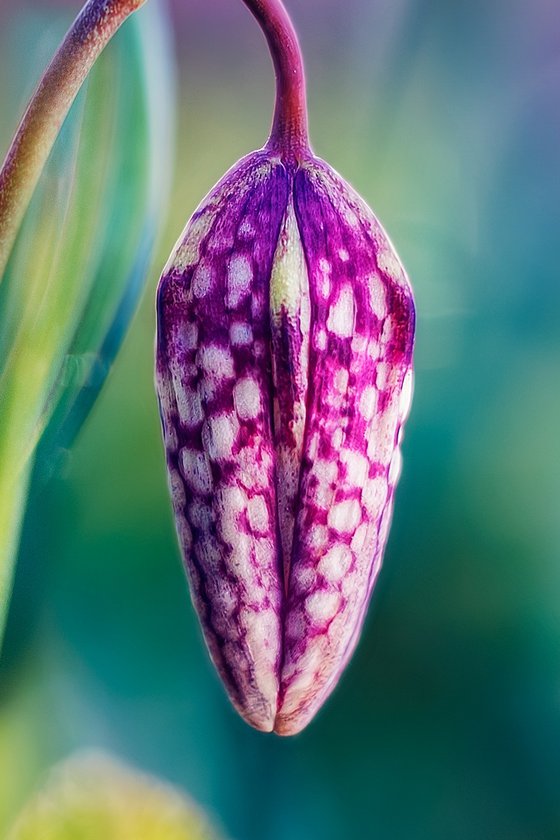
x=91 y=31
x=289 y=134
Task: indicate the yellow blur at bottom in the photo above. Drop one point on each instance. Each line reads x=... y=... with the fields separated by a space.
x=93 y=797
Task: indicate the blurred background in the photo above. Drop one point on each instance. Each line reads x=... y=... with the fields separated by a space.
x=446 y=117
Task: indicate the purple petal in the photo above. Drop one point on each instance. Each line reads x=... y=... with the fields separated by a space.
x=360 y=357
x=213 y=373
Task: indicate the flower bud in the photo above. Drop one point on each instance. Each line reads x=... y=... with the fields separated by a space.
x=284 y=375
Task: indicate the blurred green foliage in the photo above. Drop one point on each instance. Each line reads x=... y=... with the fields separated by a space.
x=447 y=724
x=91 y=796
x=81 y=260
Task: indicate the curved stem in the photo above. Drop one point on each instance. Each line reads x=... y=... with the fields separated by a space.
x=91 y=31
x=289 y=133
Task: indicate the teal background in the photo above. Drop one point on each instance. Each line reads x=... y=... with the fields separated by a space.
x=446 y=117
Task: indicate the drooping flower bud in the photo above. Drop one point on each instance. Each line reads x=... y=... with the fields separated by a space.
x=284 y=375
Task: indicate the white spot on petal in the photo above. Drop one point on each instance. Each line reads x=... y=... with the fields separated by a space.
x=388 y=262
x=262 y=636
x=336 y=562
x=216 y=361
x=359 y=344
x=368 y=402
x=359 y=538
x=321 y=606
x=265 y=552
x=189 y=405
x=219 y=434
x=326 y=471
x=383 y=375
x=209 y=554
x=247 y=398
x=303 y=682
x=242 y=564
x=345 y=516
x=201 y=516
x=313 y=447
x=240 y=334
x=202 y=280
x=304 y=577
x=342 y=314
x=357 y=467
x=320 y=340
x=374 y=496
x=350 y=216
x=196 y=470
x=231 y=501
x=337 y=438
x=318 y=537
x=239 y=279
x=374 y=349
x=257 y=513
x=188 y=336
x=341 y=380
x=246 y=229
x=377 y=299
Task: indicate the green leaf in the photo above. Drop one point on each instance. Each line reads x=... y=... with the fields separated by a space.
x=81 y=257
x=138 y=184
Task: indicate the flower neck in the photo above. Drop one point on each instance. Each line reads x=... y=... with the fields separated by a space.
x=289 y=133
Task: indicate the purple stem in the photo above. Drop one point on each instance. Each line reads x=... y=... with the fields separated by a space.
x=289 y=134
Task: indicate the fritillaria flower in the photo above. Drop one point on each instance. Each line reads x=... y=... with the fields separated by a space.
x=284 y=375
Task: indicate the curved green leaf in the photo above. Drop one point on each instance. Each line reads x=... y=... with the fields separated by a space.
x=81 y=258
